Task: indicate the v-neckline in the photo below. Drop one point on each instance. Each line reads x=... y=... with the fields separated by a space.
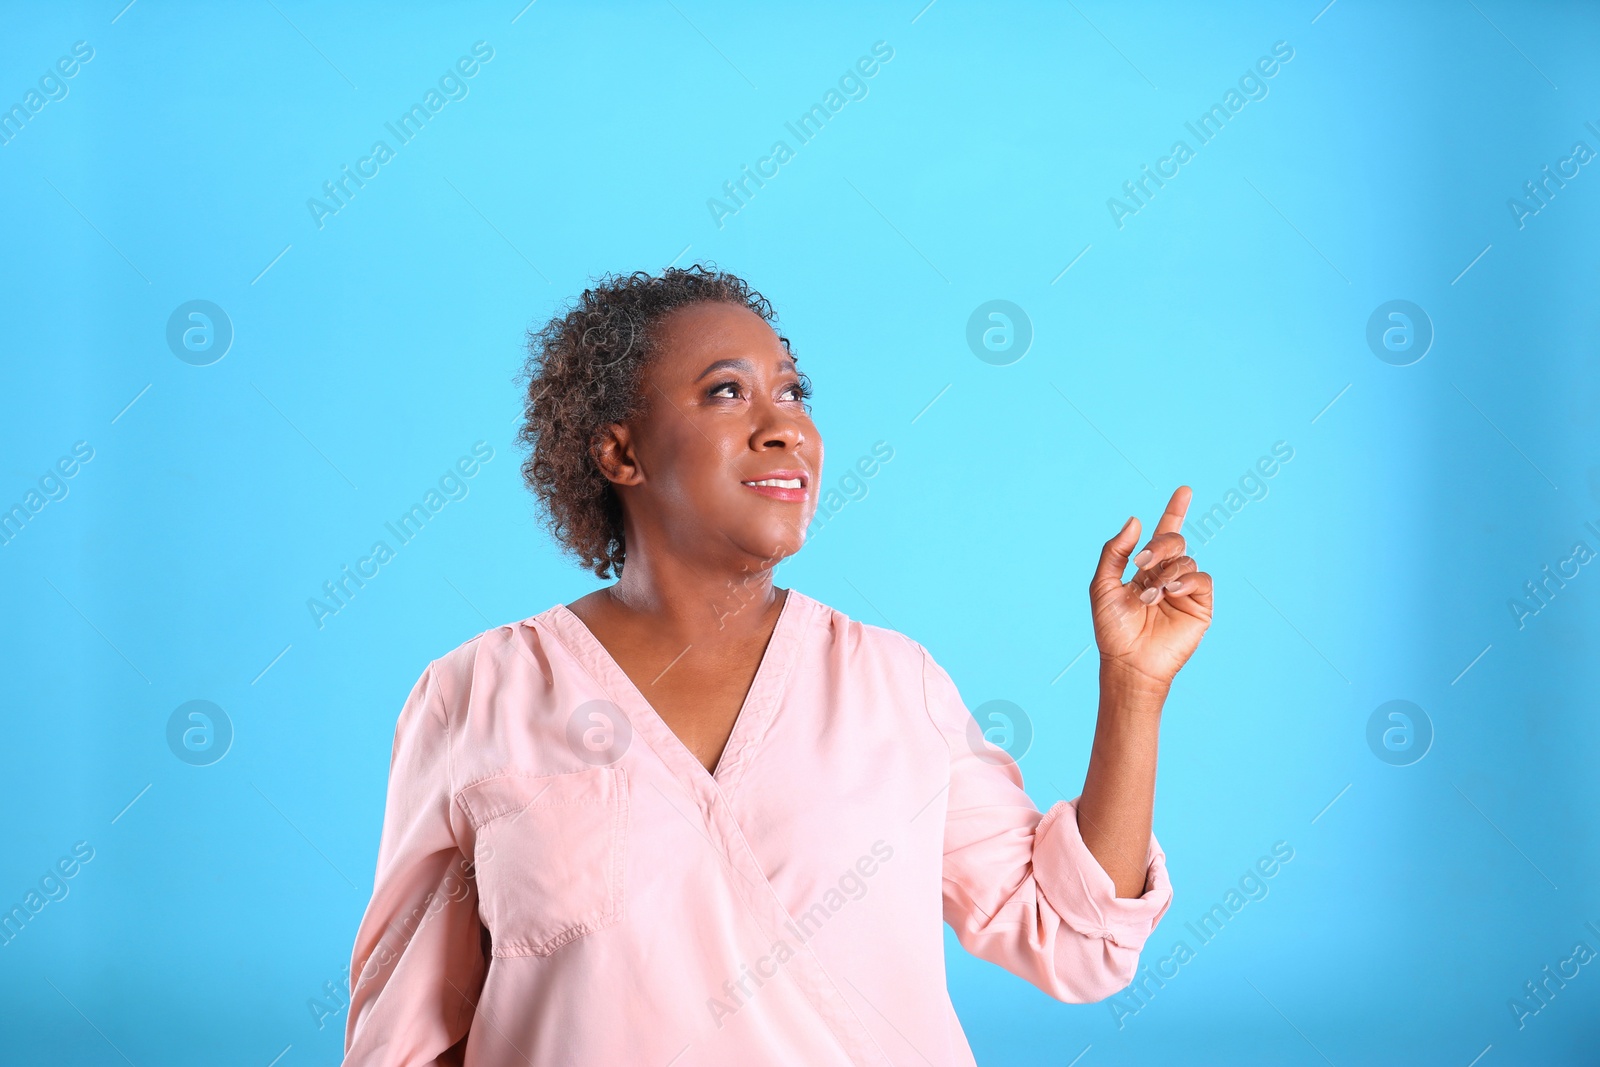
x=749 y=724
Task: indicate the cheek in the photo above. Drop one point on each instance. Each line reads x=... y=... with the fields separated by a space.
x=706 y=473
x=685 y=458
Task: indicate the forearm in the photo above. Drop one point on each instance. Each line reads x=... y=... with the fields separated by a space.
x=1115 y=810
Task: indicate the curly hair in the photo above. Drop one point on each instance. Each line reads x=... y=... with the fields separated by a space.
x=583 y=373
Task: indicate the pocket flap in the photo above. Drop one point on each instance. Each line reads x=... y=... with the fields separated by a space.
x=507 y=794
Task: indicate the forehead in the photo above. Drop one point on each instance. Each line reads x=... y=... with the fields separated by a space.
x=699 y=333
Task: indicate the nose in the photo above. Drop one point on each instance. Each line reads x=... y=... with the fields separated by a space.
x=777 y=428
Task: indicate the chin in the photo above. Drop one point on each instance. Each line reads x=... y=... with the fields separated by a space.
x=774 y=541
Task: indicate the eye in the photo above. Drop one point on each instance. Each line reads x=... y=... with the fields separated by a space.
x=722 y=389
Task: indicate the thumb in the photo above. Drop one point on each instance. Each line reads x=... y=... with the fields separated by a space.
x=1114 y=556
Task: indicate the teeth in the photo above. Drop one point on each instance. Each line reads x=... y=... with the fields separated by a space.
x=780 y=483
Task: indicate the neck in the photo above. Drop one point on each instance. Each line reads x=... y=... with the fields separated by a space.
x=694 y=599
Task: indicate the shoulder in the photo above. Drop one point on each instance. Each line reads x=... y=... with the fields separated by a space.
x=880 y=651
x=871 y=651
x=490 y=654
x=855 y=637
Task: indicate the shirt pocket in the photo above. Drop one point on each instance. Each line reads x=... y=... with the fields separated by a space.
x=549 y=856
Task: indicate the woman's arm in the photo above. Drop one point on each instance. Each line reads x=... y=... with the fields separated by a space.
x=418 y=966
x=1020 y=888
x=1146 y=629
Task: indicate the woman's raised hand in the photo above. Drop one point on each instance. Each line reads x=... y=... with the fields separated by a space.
x=1150 y=624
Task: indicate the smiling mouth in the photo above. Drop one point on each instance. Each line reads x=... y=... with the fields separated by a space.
x=786 y=486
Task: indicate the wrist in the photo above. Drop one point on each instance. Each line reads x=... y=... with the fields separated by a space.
x=1124 y=686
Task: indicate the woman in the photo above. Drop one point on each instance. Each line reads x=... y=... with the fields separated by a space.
x=694 y=818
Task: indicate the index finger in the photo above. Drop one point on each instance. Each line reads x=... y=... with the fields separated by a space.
x=1177 y=508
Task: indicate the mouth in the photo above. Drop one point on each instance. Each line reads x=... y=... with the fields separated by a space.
x=787 y=485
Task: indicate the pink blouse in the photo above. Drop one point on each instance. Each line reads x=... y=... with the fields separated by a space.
x=561 y=881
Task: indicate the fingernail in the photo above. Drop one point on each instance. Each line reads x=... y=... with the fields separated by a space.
x=1149 y=595
x=1142 y=558
x=1174 y=586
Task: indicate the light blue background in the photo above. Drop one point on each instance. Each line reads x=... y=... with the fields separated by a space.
x=1223 y=317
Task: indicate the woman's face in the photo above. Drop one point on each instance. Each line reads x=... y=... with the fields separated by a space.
x=722 y=410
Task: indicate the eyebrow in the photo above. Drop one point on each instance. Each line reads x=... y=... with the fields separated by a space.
x=741 y=365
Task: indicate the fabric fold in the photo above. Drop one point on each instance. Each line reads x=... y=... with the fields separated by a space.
x=1081 y=891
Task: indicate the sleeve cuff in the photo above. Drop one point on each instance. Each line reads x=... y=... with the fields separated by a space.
x=1082 y=893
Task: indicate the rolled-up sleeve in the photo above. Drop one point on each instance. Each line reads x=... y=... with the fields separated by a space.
x=418 y=965
x=1021 y=889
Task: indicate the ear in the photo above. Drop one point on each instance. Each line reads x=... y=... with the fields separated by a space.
x=612 y=452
